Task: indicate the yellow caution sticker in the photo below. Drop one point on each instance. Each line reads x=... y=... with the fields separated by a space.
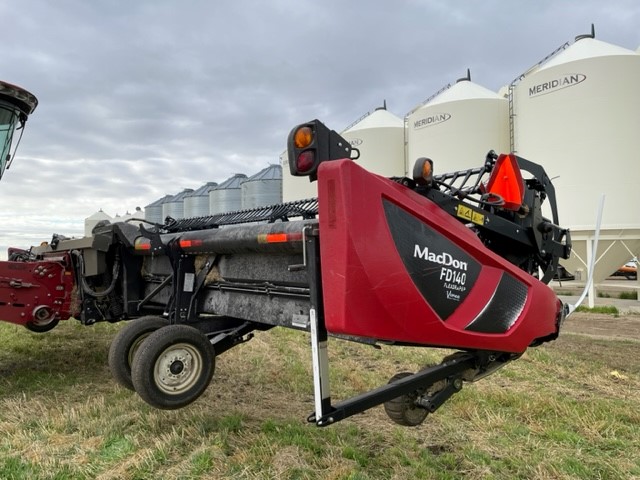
x=469 y=214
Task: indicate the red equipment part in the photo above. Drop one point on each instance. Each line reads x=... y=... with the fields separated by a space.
x=506 y=182
x=37 y=294
x=396 y=267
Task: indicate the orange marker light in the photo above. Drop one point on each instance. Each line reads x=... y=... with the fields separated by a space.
x=426 y=170
x=303 y=137
x=423 y=171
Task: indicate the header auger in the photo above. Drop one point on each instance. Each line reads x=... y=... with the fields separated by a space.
x=459 y=260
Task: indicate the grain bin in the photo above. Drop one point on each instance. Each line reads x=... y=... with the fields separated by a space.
x=379 y=136
x=295 y=188
x=92 y=220
x=196 y=203
x=263 y=188
x=174 y=206
x=457 y=126
x=129 y=217
x=578 y=115
x=153 y=211
x=227 y=197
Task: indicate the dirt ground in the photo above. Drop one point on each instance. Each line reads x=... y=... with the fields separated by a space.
x=623 y=327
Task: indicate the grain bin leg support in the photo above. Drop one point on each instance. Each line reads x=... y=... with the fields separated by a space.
x=319 y=335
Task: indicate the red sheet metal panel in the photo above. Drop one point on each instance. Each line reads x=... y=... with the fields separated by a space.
x=396 y=267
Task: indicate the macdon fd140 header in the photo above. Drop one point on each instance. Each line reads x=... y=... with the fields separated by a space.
x=459 y=260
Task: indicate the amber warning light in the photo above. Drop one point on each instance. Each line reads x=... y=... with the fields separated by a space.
x=312 y=143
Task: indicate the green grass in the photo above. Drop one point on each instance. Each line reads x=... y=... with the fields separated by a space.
x=606 y=309
x=567 y=410
x=628 y=295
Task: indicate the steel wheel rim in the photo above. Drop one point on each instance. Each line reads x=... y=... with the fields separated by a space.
x=178 y=369
x=414 y=414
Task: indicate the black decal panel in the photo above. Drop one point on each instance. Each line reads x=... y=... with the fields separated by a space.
x=503 y=309
x=442 y=272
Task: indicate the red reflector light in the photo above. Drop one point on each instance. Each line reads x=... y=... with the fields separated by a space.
x=142 y=246
x=506 y=182
x=305 y=161
x=190 y=243
x=279 y=237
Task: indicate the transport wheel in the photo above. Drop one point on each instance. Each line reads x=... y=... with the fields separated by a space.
x=127 y=342
x=42 y=326
x=173 y=367
x=44 y=319
x=404 y=410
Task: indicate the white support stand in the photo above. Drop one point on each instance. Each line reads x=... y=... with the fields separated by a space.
x=591 y=261
x=320 y=362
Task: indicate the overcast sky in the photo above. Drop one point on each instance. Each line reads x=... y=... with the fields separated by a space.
x=142 y=98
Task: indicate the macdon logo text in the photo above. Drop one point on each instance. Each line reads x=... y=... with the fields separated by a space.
x=444 y=258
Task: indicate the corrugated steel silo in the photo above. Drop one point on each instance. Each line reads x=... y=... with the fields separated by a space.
x=457 y=126
x=578 y=115
x=153 y=211
x=227 y=197
x=263 y=188
x=196 y=204
x=174 y=207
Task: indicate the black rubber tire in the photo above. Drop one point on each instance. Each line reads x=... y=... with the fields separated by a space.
x=42 y=328
x=127 y=342
x=403 y=409
x=173 y=367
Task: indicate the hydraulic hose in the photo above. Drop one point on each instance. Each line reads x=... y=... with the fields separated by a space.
x=115 y=272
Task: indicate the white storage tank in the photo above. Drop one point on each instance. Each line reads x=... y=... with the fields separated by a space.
x=227 y=197
x=196 y=204
x=457 y=127
x=153 y=211
x=262 y=189
x=174 y=206
x=380 y=138
x=579 y=116
x=129 y=217
x=295 y=188
x=92 y=220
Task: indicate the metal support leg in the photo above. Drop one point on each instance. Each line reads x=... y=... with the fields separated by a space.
x=320 y=360
x=319 y=335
